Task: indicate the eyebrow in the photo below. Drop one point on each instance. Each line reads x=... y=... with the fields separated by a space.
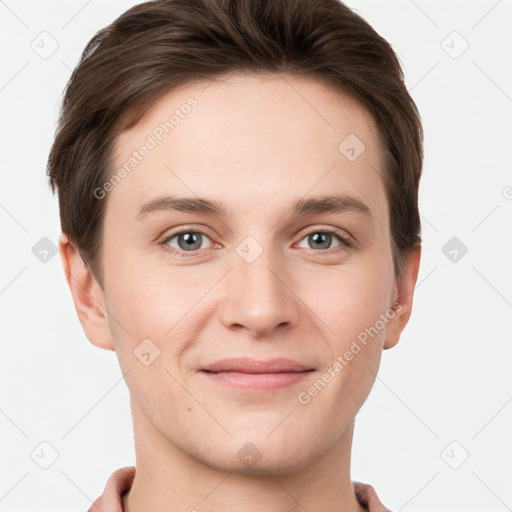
x=312 y=205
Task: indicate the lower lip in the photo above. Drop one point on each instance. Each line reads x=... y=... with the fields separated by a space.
x=259 y=381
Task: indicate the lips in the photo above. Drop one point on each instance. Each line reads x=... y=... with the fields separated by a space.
x=248 y=365
x=246 y=374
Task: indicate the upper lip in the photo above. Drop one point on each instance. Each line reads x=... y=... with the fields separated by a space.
x=247 y=365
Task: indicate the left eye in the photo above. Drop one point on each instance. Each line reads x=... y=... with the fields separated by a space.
x=325 y=238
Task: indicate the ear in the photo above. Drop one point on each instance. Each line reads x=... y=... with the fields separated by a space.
x=87 y=296
x=404 y=296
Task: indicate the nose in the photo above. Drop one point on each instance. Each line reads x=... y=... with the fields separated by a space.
x=259 y=296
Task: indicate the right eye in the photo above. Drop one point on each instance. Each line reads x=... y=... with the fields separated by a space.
x=186 y=241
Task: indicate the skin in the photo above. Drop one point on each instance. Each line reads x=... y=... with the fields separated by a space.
x=255 y=143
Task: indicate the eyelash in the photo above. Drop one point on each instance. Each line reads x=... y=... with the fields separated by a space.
x=346 y=242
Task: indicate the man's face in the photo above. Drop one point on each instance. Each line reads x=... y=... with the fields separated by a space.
x=259 y=281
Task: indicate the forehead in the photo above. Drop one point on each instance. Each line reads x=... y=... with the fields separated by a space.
x=257 y=137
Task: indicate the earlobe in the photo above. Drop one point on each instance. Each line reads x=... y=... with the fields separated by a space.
x=405 y=292
x=87 y=296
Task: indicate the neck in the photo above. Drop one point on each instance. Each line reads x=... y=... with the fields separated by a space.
x=169 y=479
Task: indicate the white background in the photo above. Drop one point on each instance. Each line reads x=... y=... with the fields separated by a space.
x=449 y=378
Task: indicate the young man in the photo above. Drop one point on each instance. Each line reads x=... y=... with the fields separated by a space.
x=204 y=148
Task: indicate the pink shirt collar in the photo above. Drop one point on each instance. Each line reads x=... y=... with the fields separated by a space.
x=121 y=481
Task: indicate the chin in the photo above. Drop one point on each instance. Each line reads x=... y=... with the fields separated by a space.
x=262 y=456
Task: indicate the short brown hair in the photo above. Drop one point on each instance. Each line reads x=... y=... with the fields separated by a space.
x=159 y=45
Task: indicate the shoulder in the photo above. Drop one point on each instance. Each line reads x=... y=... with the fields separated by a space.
x=119 y=483
x=367 y=497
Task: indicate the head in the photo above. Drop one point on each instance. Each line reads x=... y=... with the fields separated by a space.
x=232 y=121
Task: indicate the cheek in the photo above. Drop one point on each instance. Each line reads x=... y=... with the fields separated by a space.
x=351 y=308
x=150 y=328
x=155 y=303
x=149 y=300
x=136 y=314
x=351 y=299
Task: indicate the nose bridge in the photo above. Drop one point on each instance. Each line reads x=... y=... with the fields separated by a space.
x=256 y=294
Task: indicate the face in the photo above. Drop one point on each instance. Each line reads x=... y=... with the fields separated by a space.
x=217 y=246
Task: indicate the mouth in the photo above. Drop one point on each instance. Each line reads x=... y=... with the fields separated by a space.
x=256 y=374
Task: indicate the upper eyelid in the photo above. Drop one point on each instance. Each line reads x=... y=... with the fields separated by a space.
x=201 y=230
x=314 y=228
